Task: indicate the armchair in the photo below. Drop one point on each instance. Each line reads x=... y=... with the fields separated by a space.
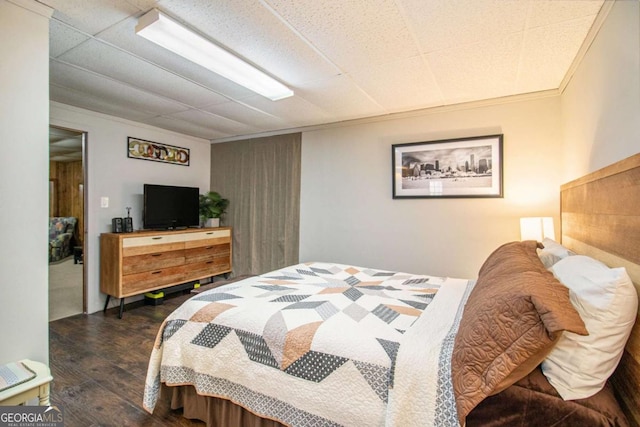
x=61 y=231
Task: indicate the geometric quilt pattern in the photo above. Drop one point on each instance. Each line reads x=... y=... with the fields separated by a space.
x=302 y=301
x=315 y=344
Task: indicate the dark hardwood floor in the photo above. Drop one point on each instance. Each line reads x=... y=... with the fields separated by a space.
x=99 y=365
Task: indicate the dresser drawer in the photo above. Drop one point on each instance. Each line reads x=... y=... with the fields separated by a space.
x=209 y=268
x=152 y=240
x=129 y=251
x=208 y=238
x=206 y=253
x=139 y=262
x=133 y=284
x=210 y=234
x=152 y=261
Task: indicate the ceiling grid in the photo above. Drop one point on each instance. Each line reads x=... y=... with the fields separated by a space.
x=345 y=60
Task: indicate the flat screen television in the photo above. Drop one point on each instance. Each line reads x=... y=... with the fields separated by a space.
x=170 y=207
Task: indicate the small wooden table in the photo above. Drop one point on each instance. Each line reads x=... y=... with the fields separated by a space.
x=36 y=387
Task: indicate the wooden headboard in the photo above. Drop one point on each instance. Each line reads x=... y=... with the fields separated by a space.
x=600 y=217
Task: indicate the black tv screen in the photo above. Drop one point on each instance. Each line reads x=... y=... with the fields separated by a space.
x=169 y=207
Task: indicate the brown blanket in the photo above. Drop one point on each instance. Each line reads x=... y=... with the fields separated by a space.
x=532 y=401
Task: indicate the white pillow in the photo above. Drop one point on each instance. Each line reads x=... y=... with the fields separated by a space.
x=579 y=366
x=552 y=252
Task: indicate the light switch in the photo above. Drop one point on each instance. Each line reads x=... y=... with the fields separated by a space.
x=104 y=202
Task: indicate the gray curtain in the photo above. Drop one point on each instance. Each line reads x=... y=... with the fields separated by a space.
x=261 y=179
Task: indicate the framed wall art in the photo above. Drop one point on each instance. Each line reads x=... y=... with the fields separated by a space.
x=463 y=167
x=154 y=151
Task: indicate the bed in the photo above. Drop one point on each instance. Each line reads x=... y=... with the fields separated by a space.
x=330 y=344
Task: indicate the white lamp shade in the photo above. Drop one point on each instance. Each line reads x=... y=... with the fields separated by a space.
x=537 y=228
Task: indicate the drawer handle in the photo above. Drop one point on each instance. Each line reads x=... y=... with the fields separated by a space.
x=209 y=247
x=156 y=272
x=157 y=238
x=209 y=262
x=156 y=254
x=209 y=232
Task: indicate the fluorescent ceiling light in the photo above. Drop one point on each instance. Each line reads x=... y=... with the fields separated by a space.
x=164 y=31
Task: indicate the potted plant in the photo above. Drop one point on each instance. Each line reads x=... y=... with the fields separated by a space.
x=212 y=207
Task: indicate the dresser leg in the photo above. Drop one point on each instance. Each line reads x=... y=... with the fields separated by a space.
x=121 y=307
x=106 y=304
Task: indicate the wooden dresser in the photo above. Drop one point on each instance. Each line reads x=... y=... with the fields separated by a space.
x=144 y=261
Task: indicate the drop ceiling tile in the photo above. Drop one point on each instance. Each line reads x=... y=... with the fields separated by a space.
x=294 y=110
x=62 y=38
x=550 y=51
x=444 y=24
x=478 y=71
x=123 y=35
x=546 y=12
x=107 y=106
x=256 y=34
x=89 y=101
x=59 y=134
x=342 y=58
x=91 y=16
x=144 y=5
x=109 y=61
x=109 y=91
x=54 y=149
x=185 y=127
x=214 y=122
x=246 y=114
x=401 y=85
x=66 y=144
x=341 y=98
x=354 y=35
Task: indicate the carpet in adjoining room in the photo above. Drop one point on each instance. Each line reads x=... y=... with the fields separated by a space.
x=65 y=289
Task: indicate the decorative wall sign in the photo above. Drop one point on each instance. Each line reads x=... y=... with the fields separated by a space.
x=463 y=167
x=149 y=150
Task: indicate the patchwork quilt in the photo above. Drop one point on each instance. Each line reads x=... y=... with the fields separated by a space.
x=319 y=344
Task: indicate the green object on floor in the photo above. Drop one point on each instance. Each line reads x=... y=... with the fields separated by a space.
x=154 y=295
x=154 y=298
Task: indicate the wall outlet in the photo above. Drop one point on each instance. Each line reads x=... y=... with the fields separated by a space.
x=104 y=202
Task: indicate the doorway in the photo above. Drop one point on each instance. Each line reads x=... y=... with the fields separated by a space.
x=67 y=219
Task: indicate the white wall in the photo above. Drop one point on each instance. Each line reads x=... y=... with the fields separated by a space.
x=601 y=104
x=112 y=174
x=24 y=177
x=348 y=214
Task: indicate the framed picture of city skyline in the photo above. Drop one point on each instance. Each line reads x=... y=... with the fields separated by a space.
x=449 y=168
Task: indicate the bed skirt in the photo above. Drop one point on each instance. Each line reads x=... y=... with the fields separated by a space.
x=532 y=401
x=215 y=412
